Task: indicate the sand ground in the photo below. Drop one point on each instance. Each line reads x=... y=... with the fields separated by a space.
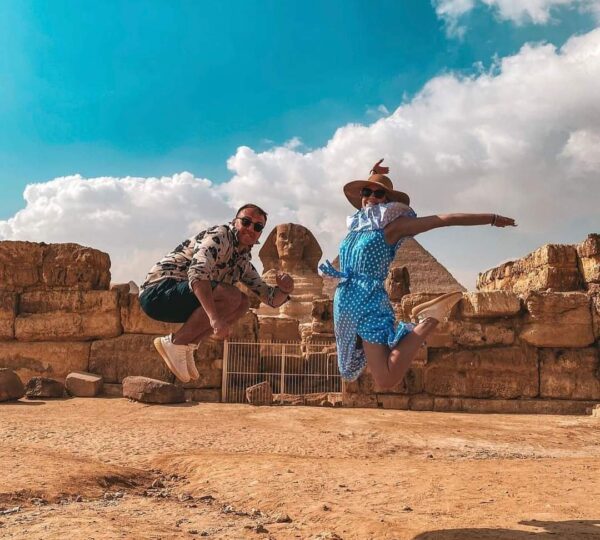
x=111 y=468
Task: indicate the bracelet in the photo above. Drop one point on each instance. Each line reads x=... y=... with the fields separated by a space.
x=494 y=219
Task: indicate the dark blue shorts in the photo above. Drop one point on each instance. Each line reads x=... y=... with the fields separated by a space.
x=170 y=301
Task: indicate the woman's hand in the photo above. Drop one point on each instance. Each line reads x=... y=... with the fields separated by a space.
x=379 y=169
x=501 y=221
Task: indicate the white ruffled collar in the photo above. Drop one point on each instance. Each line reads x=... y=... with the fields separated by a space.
x=375 y=217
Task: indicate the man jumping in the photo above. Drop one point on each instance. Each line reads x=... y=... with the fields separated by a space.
x=194 y=285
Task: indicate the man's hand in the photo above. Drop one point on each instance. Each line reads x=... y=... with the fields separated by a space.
x=285 y=282
x=221 y=328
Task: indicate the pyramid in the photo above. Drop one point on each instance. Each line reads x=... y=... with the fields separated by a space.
x=427 y=274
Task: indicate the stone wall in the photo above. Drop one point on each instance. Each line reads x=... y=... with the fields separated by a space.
x=527 y=342
x=58 y=313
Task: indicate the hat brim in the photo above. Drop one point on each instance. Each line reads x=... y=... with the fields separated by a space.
x=352 y=192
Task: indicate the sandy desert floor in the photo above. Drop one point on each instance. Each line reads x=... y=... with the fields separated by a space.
x=111 y=468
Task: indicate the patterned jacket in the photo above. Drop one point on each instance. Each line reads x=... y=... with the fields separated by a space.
x=211 y=255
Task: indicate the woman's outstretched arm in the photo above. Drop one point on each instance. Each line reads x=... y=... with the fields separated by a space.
x=407 y=226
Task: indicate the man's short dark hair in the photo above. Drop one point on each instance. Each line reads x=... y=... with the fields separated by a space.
x=254 y=207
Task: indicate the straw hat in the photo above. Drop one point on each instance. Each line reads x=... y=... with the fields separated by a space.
x=352 y=189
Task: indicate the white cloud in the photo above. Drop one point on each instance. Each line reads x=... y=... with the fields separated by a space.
x=521 y=140
x=517 y=11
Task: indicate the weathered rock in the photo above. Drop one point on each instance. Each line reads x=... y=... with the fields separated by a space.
x=595 y=306
x=421 y=402
x=322 y=316
x=135 y=321
x=246 y=328
x=260 y=394
x=393 y=401
x=509 y=372
x=293 y=249
x=28 y=266
x=363 y=401
x=596 y=411
x=127 y=355
x=570 y=373
x=552 y=267
x=152 y=391
x=397 y=283
x=44 y=387
x=112 y=389
x=203 y=395
x=48 y=359
x=490 y=304
x=83 y=384
x=558 y=320
x=589 y=259
x=11 y=387
x=8 y=311
x=474 y=334
x=67 y=315
x=511 y=406
x=278 y=329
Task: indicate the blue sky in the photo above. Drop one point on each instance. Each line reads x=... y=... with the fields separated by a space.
x=153 y=88
x=477 y=105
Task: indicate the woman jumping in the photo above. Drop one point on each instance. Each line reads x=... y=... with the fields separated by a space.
x=365 y=328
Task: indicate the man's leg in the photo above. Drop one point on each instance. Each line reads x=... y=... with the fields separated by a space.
x=230 y=302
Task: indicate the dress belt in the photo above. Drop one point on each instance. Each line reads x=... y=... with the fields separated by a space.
x=328 y=269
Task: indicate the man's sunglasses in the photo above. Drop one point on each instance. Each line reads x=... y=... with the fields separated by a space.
x=367 y=192
x=246 y=222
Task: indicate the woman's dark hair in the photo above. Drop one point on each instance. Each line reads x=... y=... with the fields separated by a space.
x=254 y=207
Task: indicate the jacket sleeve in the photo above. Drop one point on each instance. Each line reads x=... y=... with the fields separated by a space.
x=207 y=253
x=251 y=278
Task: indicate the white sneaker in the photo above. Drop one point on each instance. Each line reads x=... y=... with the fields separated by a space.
x=191 y=364
x=438 y=308
x=175 y=356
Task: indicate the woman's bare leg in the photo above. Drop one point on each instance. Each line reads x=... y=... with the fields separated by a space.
x=389 y=367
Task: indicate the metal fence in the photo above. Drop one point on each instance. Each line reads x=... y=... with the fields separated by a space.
x=292 y=369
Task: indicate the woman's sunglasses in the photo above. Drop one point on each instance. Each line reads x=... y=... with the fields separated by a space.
x=367 y=192
x=246 y=222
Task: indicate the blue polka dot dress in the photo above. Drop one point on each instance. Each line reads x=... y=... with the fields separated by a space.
x=361 y=305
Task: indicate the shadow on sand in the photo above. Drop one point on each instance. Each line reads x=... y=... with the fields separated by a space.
x=554 y=530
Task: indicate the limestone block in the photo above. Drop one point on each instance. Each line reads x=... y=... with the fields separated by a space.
x=551 y=267
x=127 y=355
x=11 y=387
x=595 y=305
x=511 y=406
x=246 y=328
x=421 y=402
x=83 y=384
x=135 y=321
x=472 y=334
x=322 y=316
x=489 y=304
x=149 y=390
x=28 y=266
x=67 y=315
x=508 y=372
x=393 y=401
x=8 y=310
x=112 y=389
x=278 y=329
x=48 y=359
x=203 y=395
x=260 y=394
x=364 y=401
x=596 y=411
x=397 y=283
x=44 y=387
x=589 y=259
x=558 y=320
x=570 y=373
